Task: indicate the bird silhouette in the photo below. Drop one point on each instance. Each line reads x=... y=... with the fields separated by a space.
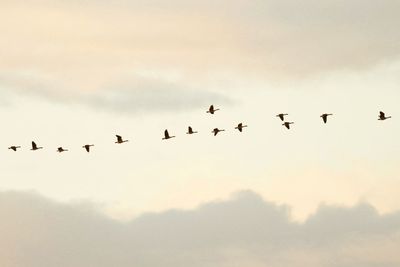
x=35 y=147
x=212 y=110
x=120 y=140
x=216 y=131
x=60 y=150
x=282 y=116
x=190 y=131
x=87 y=147
x=382 y=116
x=167 y=136
x=15 y=148
x=287 y=124
x=240 y=127
x=325 y=117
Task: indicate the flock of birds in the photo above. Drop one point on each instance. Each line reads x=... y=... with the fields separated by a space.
x=215 y=131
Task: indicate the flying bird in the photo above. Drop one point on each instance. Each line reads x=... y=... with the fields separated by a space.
x=87 y=147
x=282 y=116
x=190 y=131
x=15 y=148
x=216 y=131
x=167 y=136
x=240 y=127
x=382 y=116
x=35 y=147
x=325 y=117
x=60 y=149
x=212 y=110
x=120 y=140
x=287 y=124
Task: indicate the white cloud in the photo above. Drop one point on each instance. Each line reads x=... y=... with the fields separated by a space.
x=242 y=231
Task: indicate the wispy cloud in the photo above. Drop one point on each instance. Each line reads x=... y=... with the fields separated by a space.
x=245 y=230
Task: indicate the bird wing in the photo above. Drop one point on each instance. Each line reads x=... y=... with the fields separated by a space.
x=190 y=130
x=382 y=114
x=119 y=138
x=166 y=134
x=325 y=118
x=34 y=146
x=281 y=117
x=87 y=148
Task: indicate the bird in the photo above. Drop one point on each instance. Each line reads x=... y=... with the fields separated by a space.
x=282 y=116
x=216 y=131
x=287 y=124
x=35 y=147
x=120 y=140
x=212 y=110
x=87 y=147
x=325 y=117
x=167 y=136
x=190 y=131
x=60 y=149
x=382 y=116
x=240 y=127
x=15 y=148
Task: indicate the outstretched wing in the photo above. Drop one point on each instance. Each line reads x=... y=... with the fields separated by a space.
x=34 y=146
x=166 y=134
x=119 y=138
x=325 y=118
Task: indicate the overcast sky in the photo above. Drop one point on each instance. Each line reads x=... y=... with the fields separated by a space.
x=78 y=72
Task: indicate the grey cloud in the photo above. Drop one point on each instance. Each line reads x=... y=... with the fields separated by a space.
x=242 y=231
x=132 y=96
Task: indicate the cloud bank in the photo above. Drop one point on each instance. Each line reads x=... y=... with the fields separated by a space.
x=242 y=231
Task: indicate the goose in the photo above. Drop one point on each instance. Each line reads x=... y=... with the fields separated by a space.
x=87 y=147
x=212 y=110
x=120 y=140
x=382 y=116
x=240 y=127
x=216 y=131
x=60 y=149
x=15 y=148
x=35 y=147
x=190 y=131
x=167 y=136
x=282 y=116
x=287 y=124
x=325 y=117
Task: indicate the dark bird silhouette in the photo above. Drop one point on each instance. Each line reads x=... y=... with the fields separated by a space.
x=282 y=116
x=120 y=140
x=190 y=131
x=167 y=136
x=87 y=147
x=325 y=117
x=216 y=131
x=60 y=149
x=287 y=124
x=240 y=127
x=35 y=147
x=212 y=110
x=382 y=116
x=15 y=148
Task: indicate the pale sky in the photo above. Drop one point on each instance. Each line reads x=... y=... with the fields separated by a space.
x=78 y=72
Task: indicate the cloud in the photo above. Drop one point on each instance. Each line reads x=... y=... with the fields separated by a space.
x=271 y=38
x=242 y=231
x=130 y=95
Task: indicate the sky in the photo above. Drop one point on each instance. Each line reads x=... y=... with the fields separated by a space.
x=79 y=72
